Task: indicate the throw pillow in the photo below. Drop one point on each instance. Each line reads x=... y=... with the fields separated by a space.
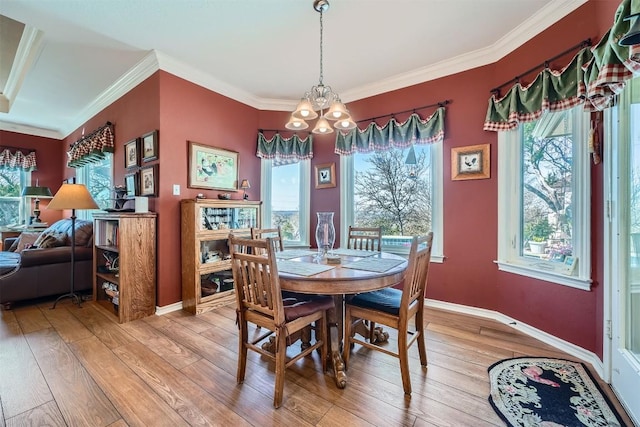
x=26 y=241
x=51 y=240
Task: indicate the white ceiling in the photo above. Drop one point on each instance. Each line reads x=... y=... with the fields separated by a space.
x=264 y=53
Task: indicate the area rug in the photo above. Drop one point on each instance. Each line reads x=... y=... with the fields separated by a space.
x=542 y=391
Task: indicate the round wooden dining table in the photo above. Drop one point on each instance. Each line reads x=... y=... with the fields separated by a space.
x=338 y=282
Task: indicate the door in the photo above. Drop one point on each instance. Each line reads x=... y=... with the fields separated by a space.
x=624 y=253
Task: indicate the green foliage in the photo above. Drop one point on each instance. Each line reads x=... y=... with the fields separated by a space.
x=538 y=231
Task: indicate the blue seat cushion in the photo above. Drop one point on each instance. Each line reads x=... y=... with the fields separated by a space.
x=387 y=300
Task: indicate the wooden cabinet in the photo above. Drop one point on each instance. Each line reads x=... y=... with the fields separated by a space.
x=207 y=280
x=124 y=264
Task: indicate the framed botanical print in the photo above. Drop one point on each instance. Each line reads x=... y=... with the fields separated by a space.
x=149 y=181
x=212 y=168
x=131 y=154
x=470 y=162
x=326 y=175
x=149 y=146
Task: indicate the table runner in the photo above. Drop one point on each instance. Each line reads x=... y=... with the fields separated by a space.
x=353 y=252
x=294 y=253
x=378 y=265
x=301 y=268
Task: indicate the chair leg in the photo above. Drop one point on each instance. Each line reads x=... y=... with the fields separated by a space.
x=403 y=355
x=242 y=350
x=346 y=342
x=422 y=347
x=281 y=352
x=324 y=336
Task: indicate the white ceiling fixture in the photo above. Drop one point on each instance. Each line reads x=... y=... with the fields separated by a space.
x=321 y=98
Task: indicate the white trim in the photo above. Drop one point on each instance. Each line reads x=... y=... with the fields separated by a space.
x=166 y=309
x=29 y=48
x=560 y=344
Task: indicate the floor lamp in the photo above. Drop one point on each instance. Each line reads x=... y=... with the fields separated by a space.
x=72 y=196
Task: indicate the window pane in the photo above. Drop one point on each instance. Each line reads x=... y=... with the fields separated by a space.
x=97 y=177
x=285 y=199
x=392 y=194
x=545 y=211
x=11 y=182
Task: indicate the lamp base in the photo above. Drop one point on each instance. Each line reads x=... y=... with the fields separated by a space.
x=77 y=299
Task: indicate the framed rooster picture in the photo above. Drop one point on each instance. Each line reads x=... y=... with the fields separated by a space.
x=470 y=162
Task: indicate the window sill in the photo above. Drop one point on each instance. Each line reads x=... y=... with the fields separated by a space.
x=548 y=276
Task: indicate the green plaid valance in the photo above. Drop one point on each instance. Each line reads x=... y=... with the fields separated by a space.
x=18 y=160
x=593 y=77
x=91 y=148
x=392 y=135
x=277 y=147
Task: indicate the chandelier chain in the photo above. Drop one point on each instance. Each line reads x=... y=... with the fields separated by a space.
x=321 y=32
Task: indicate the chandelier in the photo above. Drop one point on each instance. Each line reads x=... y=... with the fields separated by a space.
x=321 y=98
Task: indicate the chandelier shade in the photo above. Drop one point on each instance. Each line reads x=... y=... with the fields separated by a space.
x=321 y=98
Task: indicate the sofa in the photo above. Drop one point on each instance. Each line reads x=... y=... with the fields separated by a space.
x=45 y=268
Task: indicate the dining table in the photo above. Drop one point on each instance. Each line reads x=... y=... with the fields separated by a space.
x=339 y=273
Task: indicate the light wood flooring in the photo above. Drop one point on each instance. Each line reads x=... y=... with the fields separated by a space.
x=78 y=367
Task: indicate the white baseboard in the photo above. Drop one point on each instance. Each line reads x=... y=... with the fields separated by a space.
x=572 y=349
x=168 y=308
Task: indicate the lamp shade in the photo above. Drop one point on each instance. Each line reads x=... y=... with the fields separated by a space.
x=39 y=192
x=72 y=196
x=245 y=184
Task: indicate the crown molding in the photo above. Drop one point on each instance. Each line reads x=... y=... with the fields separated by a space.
x=30 y=130
x=29 y=48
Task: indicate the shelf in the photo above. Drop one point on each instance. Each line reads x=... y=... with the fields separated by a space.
x=108 y=277
x=109 y=248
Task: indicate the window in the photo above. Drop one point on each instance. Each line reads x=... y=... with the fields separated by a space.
x=285 y=191
x=13 y=207
x=543 y=196
x=98 y=178
x=381 y=189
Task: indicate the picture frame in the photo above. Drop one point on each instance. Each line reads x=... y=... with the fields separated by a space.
x=326 y=175
x=131 y=184
x=149 y=181
x=569 y=265
x=149 y=146
x=470 y=162
x=212 y=168
x=131 y=154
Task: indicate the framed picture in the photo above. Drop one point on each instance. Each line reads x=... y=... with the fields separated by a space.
x=130 y=183
x=149 y=181
x=326 y=175
x=212 y=168
x=471 y=162
x=149 y=146
x=131 y=154
x=570 y=265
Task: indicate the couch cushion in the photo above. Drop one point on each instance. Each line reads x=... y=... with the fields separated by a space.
x=26 y=241
x=53 y=239
x=84 y=231
x=62 y=254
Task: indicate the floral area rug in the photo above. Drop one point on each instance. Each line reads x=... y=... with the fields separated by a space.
x=547 y=392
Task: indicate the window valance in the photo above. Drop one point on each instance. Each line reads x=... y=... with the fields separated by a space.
x=593 y=77
x=91 y=148
x=293 y=148
x=392 y=135
x=16 y=159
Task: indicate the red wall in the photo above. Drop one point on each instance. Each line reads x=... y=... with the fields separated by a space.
x=49 y=173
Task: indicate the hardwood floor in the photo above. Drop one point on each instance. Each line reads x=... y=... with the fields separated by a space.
x=79 y=367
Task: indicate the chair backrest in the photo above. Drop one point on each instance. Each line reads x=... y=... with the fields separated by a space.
x=255 y=277
x=415 y=279
x=365 y=238
x=274 y=233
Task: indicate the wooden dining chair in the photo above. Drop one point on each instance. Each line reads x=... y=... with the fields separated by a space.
x=259 y=301
x=365 y=238
x=274 y=233
x=395 y=308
